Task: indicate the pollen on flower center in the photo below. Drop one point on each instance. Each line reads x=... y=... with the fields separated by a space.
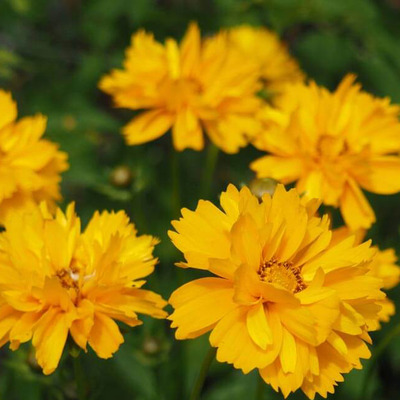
x=283 y=274
x=68 y=278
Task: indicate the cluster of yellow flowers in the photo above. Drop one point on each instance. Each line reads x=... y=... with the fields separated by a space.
x=287 y=295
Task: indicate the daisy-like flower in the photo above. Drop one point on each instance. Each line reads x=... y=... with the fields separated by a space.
x=191 y=87
x=383 y=266
x=30 y=166
x=332 y=145
x=56 y=281
x=284 y=299
x=277 y=66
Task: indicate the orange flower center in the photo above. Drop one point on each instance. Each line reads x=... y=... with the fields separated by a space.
x=331 y=147
x=69 y=279
x=283 y=274
x=181 y=93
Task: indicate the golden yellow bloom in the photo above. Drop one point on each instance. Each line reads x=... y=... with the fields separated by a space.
x=284 y=299
x=333 y=144
x=55 y=281
x=277 y=66
x=194 y=86
x=383 y=266
x=30 y=166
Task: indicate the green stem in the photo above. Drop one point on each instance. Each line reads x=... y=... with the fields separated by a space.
x=198 y=385
x=176 y=189
x=211 y=162
x=380 y=348
x=79 y=378
x=260 y=388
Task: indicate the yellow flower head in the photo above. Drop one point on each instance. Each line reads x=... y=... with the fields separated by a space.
x=283 y=298
x=277 y=67
x=383 y=266
x=30 y=166
x=188 y=87
x=56 y=281
x=333 y=144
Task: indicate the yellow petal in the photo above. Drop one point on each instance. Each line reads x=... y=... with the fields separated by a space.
x=49 y=339
x=285 y=170
x=294 y=217
x=337 y=343
x=8 y=317
x=187 y=131
x=202 y=234
x=105 y=337
x=22 y=331
x=298 y=321
x=80 y=328
x=200 y=304
x=173 y=58
x=246 y=241
x=147 y=126
x=235 y=345
x=355 y=208
x=288 y=354
x=190 y=50
x=146 y=302
x=382 y=175
x=222 y=268
x=388 y=309
x=8 y=109
x=258 y=327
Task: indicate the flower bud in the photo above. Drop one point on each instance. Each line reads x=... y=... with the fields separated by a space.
x=262 y=186
x=121 y=176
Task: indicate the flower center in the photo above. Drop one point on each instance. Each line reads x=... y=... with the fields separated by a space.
x=69 y=279
x=331 y=147
x=283 y=274
x=181 y=93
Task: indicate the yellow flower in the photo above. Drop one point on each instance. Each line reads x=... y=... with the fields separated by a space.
x=333 y=144
x=283 y=299
x=383 y=266
x=56 y=281
x=188 y=87
x=277 y=67
x=30 y=166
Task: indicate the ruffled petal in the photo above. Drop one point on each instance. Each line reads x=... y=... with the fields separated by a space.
x=147 y=126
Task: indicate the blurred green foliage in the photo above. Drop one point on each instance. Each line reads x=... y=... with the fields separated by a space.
x=52 y=54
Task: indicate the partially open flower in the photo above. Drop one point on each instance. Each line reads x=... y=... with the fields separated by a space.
x=56 y=281
x=283 y=298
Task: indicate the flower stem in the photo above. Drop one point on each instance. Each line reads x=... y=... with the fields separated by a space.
x=211 y=162
x=260 y=388
x=176 y=189
x=198 y=385
x=79 y=378
x=380 y=348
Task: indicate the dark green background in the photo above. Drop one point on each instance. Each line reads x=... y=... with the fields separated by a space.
x=52 y=54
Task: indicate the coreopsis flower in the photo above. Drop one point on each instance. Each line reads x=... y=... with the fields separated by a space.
x=30 y=166
x=56 y=281
x=383 y=266
x=282 y=298
x=277 y=66
x=191 y=87
x=333 y=145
